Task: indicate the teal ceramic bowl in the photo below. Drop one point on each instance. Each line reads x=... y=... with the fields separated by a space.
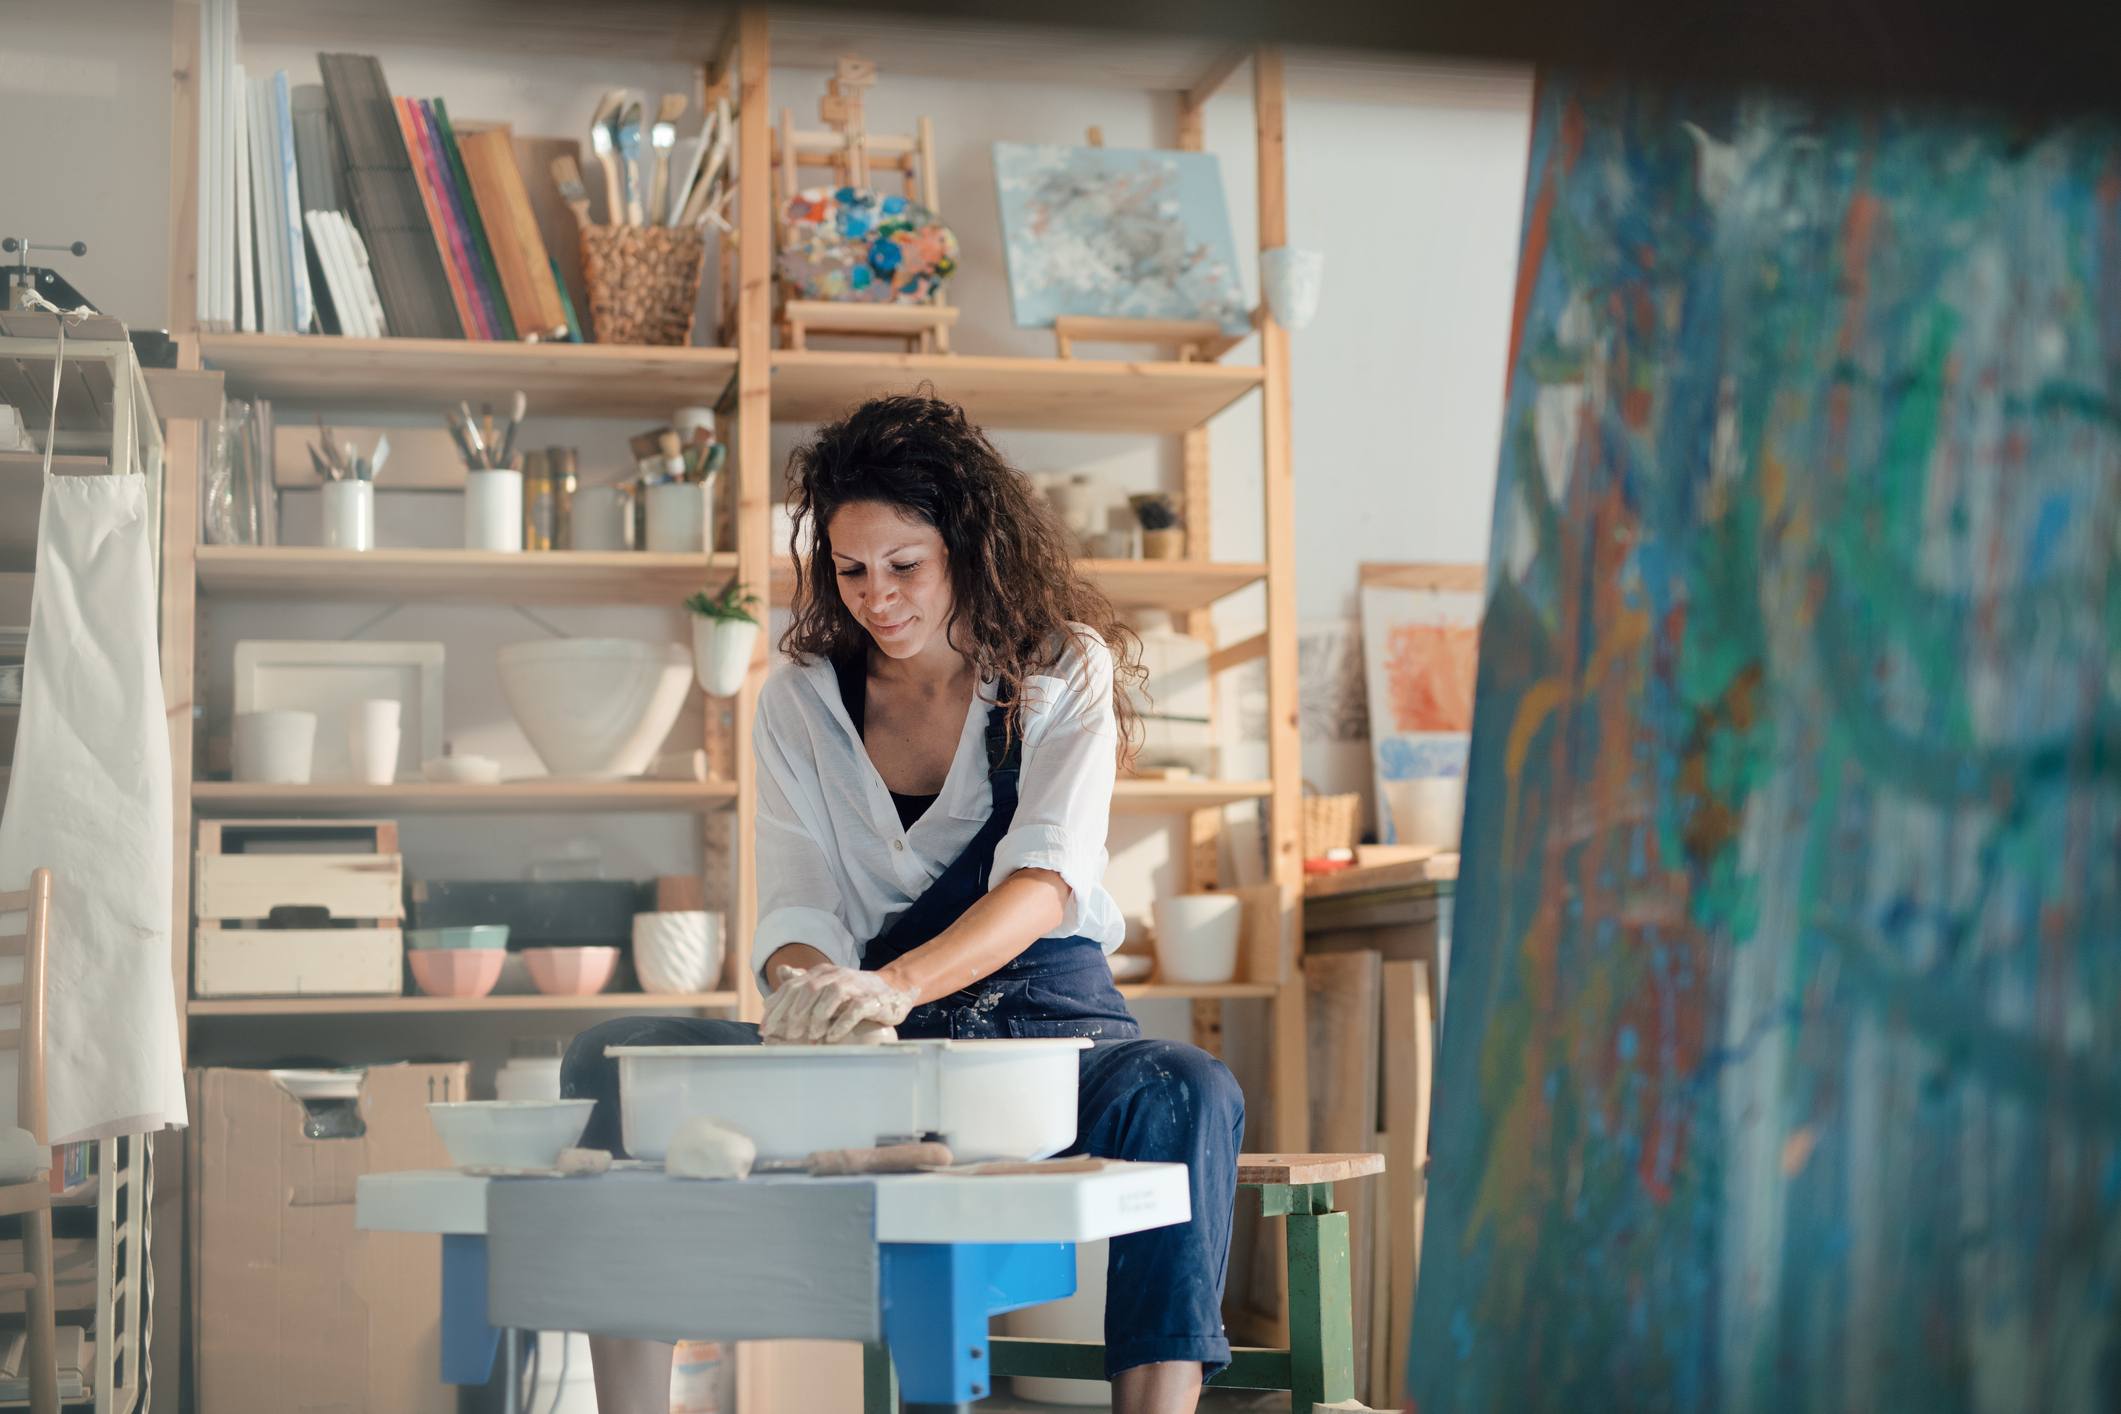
x=487 y=935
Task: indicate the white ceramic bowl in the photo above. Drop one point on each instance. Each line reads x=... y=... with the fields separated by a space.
x=1196 y=937
x=595 y=708
x=510 y=1134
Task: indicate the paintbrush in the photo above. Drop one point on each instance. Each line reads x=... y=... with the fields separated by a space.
x=567 y=176
x=456 y=435
x=380 y=455
x=486 y=432
x=325 y=470
x=516 y=410
x=471 y=436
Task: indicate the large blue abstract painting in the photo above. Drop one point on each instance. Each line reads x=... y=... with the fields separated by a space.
x=1782 y=1069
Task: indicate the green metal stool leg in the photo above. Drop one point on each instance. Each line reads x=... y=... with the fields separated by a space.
x=879 y=1381
x=1321 y=1319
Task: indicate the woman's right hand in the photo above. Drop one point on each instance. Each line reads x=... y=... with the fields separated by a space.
x=829 y=1005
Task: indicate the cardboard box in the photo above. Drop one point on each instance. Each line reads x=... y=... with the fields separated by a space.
x=294 y=1312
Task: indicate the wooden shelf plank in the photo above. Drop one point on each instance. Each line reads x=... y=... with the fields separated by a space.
x=1199 y=992
x=456 y=576
x=1148 y=797
x=1073 y=395
x=580 y=380
x=1179 y=586
x=398 y=1006
x=237 y=799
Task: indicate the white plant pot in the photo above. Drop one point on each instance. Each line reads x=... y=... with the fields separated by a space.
x=1427 y=811
x=1292 y=278
x=275 y=747
x=678 y=953
x=721 y=653
x=493 y=510
x=1197 y=936
x=350 y=515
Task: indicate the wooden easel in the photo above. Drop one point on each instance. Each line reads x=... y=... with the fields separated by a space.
x=853 y=153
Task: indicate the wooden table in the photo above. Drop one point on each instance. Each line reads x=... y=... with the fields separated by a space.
x=916 y=1262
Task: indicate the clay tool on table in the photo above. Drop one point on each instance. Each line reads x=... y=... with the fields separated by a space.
x=888 y=1158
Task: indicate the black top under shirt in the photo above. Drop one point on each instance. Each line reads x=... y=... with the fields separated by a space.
x=854 y=693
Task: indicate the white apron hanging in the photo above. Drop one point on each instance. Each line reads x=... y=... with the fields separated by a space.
x=90 y=800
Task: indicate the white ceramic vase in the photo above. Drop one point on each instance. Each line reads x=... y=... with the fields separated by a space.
x=721 y=653
x=677 y=953
x=350 y=515
x=372 y=732
x=1292 y=278
x=1197 y=936
x=274 y=748
x=493 y=510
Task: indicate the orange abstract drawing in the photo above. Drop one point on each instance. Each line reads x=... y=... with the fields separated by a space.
x=1429 y=671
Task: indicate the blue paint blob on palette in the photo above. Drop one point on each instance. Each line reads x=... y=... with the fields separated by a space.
x=852 y=243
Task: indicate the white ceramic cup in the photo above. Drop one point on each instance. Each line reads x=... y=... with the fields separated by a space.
x=493 y=510
x=599 y=519
x=678 y=953
x=677 y=517
x=274 y=747
x=1292 y=278
x=350 y=515
x=372 y=731
x=1196 y=937
x=1427 y=811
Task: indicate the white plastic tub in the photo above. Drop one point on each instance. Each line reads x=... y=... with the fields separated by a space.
x=1010 y=1099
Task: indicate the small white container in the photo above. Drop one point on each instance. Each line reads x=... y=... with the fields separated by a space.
x=1292 y=278
x=493 y=510
x=372 y=739
x=678 y=953
x=599 y=520
x=275 y=747
x=511 y=1134
x=677 y=517
x=350 y=515
x=1196 y=937
x=1427 y=811
x=721 y=653
x=528 y=1078
x=1010 y=1099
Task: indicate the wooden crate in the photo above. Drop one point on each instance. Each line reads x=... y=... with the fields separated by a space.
x=238 y=885
x=338 y=890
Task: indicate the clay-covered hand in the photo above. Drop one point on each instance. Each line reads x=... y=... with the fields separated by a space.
x=826 y=1005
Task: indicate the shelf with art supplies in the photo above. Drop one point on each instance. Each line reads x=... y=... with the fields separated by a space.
x=458 y=230
x=535 y=529
x=297 y=916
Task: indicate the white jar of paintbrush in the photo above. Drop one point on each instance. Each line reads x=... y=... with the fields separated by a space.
x=349 y=490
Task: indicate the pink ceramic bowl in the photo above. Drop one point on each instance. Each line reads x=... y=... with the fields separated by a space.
x=571 y=972
x=456 y=972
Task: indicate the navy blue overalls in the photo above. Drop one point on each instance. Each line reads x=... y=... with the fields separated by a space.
x=1147 y=1100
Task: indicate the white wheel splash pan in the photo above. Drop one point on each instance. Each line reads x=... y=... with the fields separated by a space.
x=1012 y=1099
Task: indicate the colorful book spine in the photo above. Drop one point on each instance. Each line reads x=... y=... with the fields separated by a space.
x=416 y=150
x=486 y=291
x=474 y=221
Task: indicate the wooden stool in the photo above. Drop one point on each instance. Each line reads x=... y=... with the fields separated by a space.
x=1317 y=1368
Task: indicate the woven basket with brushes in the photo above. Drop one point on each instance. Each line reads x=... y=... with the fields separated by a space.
x=643 y=282
x=1330 y=822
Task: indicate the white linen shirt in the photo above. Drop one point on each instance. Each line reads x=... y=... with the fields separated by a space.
x=836 y=869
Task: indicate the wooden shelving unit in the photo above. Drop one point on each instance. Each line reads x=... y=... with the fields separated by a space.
x=302 y=572
x=756 y=387
x=1068 y=395
x=234 y=799
x=386 y=375
x=408 y=1006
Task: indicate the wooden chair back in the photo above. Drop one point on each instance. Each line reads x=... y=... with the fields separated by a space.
x=26 y=1036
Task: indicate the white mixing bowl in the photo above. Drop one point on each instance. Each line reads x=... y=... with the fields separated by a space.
x=509 y=1134
x=595 y=708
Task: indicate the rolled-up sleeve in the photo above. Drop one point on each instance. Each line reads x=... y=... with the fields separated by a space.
x=799 y=894
x=1064 y=791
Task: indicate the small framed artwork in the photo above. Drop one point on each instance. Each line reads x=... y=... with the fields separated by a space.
x=1120 y=233
x=1421 y=652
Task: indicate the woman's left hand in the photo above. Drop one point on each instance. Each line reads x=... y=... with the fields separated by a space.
x=823 y=1005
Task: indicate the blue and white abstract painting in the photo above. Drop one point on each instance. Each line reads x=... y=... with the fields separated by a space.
x=1117 y=232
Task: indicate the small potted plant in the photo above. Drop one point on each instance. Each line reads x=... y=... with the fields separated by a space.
x=1163 y=533
x=724 y=633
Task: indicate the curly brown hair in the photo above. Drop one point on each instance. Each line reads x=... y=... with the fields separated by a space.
x=1012 y=569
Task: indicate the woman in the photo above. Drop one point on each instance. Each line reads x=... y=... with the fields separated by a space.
x=935 y=776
